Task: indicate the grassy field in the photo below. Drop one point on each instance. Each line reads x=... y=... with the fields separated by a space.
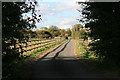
x=86 y=57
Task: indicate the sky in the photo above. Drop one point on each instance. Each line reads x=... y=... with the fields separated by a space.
x=61 y=13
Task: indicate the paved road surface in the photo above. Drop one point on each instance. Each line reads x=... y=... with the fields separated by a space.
x=61 y=63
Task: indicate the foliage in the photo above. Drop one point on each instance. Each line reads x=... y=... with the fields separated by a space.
x=86 y=57
x=68 y=32
x=15 y=30
x=30 y=34
x=14 y=26
x=103 y=21
x=62 y=32
x=78 y=32
x=82 y=49
x=75 y=31
x=54 y=30
x=43 y=34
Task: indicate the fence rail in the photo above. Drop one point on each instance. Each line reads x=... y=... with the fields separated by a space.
x=34 y=44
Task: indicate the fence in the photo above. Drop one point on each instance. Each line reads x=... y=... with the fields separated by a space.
x=34 y=44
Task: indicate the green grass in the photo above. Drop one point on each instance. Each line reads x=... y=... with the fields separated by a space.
x=82 y=52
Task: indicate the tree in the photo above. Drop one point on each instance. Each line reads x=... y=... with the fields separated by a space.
x=14 y=29
x=54 y=30
x=69 y=32
x=43 y=34
x=76 y=31
x=62 y=32
x=52 y=27
x=30 y=34
x=103 y=21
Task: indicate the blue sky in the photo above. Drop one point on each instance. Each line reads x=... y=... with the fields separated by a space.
x=63 y=14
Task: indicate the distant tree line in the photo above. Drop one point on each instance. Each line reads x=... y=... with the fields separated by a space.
x=51 y=32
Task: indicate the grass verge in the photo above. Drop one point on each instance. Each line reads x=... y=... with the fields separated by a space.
x=86 y=57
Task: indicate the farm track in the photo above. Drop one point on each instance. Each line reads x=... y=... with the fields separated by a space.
x=62 y=63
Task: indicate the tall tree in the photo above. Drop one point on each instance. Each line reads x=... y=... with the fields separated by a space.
x=52 y=27
x=68 y=31
x=62 y=32
x=76 y=31
x=54 y=30
x=14 y=28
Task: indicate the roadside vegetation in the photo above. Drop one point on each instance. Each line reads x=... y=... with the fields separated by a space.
x=87 y=57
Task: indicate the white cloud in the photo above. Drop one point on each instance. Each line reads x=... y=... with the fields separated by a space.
x=65 y=26
x=45 y=9
x=70 y=5
x=68 y=20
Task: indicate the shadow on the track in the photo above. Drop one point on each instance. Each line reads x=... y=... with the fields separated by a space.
x=60 y=51
x=64 y=67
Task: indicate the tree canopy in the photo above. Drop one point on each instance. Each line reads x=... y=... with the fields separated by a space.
x=43 y=34
x=103 y=21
